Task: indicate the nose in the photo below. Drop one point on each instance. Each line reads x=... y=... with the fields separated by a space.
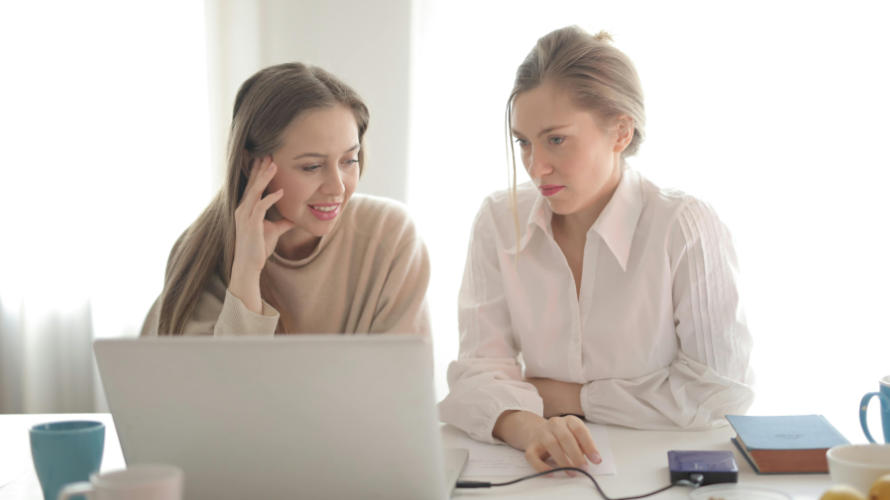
x=537 y=164
x=333 y=182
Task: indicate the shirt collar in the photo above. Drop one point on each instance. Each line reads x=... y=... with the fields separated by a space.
x=618 y=220
x=615 y=225
x=538 y=217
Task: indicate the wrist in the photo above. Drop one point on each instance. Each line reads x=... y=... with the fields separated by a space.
x=244 y=271
x=560 y=398
x=246 y=287
x=516 y=427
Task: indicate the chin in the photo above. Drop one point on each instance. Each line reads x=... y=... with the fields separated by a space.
x=559 y=208
x=320 y=228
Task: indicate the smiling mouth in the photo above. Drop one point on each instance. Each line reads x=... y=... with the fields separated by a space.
x=325 y=211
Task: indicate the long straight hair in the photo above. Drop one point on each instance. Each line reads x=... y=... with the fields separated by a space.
x=599 y=78
x=265 y=105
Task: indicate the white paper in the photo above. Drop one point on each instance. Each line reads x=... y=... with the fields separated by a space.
x=487 y=460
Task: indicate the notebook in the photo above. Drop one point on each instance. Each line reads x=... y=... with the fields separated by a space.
x=785 y=444
x=301 y=416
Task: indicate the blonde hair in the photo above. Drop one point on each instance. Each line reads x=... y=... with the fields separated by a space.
x=265 y=105
x=598 y=77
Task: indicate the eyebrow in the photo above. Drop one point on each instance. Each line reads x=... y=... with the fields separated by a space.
x=545 y=131
x=321 y=155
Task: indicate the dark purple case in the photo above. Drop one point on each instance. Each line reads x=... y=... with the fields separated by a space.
x=714 y=466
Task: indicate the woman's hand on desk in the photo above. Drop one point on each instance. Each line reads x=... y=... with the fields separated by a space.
x=566 y=441
x=560 y=398
x=255 y=235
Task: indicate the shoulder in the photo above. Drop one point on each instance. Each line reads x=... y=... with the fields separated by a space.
x=368 y=210
x=671 y=203
x=662 y=202
x=379 y=218
x=685 y=218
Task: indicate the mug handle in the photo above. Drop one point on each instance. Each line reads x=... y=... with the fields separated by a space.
x=863 y=408
x=75 y=489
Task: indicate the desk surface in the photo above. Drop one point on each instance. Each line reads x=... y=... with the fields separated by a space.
x=640 y=457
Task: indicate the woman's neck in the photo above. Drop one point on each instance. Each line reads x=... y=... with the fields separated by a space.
x=575 y=226
x=296 y=244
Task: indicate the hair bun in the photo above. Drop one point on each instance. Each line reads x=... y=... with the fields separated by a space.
x=603 y=36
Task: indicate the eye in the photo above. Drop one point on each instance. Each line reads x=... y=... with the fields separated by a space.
x=350 y=162
x=311 y=168
x=522 y=142
x=556 y=140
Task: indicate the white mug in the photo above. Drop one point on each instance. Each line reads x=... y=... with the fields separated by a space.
x=139 y=482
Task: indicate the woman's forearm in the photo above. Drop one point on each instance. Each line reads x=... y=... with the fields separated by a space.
x=560 y=398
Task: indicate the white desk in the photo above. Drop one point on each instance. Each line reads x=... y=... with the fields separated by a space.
x=640 y=456
x=641 y=460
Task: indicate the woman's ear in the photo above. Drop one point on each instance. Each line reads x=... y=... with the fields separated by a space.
x=624 y=133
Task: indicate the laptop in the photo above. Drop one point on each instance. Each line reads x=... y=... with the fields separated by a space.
x=300 y=416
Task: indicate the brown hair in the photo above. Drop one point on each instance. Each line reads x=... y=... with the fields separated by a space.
x=265 y=105
x=598 y=76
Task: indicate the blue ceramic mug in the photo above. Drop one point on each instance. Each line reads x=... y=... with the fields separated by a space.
x=66 y=452
x=884 y=396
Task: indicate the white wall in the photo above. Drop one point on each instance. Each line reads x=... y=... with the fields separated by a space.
x=104 y=136
x=364 y=43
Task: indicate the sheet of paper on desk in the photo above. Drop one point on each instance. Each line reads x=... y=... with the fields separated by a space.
x=488 y=460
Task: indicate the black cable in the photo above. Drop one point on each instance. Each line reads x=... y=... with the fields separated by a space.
x=694 y=480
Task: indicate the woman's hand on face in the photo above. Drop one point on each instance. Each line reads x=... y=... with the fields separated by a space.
x=559 y=397
x=255 y=236
x=563 y=441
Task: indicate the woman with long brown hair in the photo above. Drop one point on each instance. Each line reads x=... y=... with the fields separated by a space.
x=287 y=246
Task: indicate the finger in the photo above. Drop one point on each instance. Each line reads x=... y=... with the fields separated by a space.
x=256 y=166
x=554 y=448
x=265 y=203
x=569 y=445
x=585 y=440
x=535 y=455
x=255 y=186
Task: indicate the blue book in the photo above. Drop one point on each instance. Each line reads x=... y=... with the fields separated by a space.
x=786 y=444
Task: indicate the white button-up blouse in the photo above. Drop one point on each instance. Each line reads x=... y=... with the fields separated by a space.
x=657 y=334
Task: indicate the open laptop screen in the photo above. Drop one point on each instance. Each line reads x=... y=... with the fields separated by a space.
x=308 y=416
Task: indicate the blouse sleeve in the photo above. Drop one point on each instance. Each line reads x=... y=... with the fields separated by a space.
x=219 y=313
x=486 y=379
x=710 y=376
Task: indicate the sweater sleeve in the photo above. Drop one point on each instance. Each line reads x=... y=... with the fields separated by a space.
x=710 y=376
x=486 y=380
x=219 y=313
x=402 y=306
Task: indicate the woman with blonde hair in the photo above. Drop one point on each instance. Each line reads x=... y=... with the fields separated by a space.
x=619 y=297
x=286 y=246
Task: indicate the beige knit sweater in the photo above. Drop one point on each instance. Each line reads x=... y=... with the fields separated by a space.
x=368 y=275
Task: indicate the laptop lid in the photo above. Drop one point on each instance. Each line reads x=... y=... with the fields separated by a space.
x=308 y=416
